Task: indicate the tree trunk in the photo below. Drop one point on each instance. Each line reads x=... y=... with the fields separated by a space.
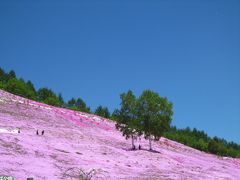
x=150 y=143
x=133 y=146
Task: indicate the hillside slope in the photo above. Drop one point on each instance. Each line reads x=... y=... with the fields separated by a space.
x=78 y=140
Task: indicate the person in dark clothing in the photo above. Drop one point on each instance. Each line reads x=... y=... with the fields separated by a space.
x=139 y=146
x=42 y=132
x=18 y=130
x=37 y=132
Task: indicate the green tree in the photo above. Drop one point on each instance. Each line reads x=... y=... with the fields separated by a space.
x=19 y=87
x=155 y=114
x=78 y=104
x=48 y=96
x=127 y=121
x=10 y=75
x=2 y=77
x=213 y=146
x=102 y=111
x=81 y=105
x=2 y=74
x=61 y=101
x=71 y=103
x=44 y=93
x=115 y=115
x=31 y=88
x=52 y=101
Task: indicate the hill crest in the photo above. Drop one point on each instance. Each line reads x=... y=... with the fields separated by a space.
x=75 y=139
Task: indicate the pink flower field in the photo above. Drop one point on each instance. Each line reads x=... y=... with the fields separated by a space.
x=74 y=140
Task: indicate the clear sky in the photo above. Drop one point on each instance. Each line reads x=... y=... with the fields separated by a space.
x=188 y=51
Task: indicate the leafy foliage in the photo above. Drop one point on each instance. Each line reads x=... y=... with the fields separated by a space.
x=201 y=141
x=81 y=105
x=78 y=105
x=19 y=87
x=102 y=111
x=61 y=101
x=48 y=96
x=155 y=114
x=115 y=115
x=127 y=121
x=9 y=82
x=149 y=114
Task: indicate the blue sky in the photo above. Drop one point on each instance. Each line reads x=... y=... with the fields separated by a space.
x=188 y=51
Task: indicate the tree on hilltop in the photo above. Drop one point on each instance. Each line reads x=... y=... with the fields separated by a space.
x=155 y=113
x=102 y=111
x=48 y=96
x=78 y=105
x=127 y=121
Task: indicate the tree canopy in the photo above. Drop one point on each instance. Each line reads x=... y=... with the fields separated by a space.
x=155 y=114
x=149 y=114
x=78 y=104
x=102 y=111
x=127 y=121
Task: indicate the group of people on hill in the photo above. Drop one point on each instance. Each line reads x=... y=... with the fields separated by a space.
x=39 y=133
x=139 y=145
x=42 y=133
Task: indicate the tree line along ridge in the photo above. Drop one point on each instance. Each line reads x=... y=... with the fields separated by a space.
x=149 y=115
